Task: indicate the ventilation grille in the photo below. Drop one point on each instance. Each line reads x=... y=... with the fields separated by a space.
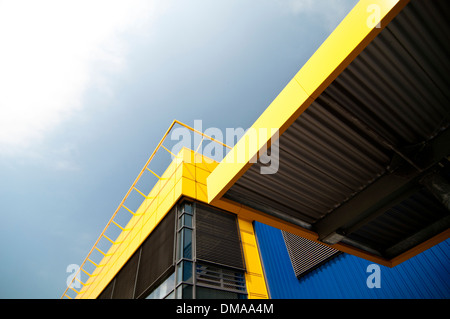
x=220 y=278
x=217 y=238
x=151 y=262
x=156 y=254
x=306 y=255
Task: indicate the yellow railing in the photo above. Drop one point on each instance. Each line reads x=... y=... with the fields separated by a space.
x=111 y=221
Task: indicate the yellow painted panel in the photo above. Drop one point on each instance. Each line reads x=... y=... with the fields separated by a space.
x=246 y=228
x=164 y=208
x=189 y=189
x=205 y=163
x=179 y=172
x=189 y=171
x=178 y=189
x=150 y=210
x=254 y=277
x=168 y=187
x=251 y=253
x=201 y=192
x=201 y=175
x=258 y=284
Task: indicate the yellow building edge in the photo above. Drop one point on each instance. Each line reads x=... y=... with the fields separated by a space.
x=349 y=38
x=254 y=276
x=160 y=200
x=186 y=177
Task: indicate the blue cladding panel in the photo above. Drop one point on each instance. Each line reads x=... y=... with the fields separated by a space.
x=424 y=276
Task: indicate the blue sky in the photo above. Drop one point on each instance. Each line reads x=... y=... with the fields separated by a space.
x=88 y=88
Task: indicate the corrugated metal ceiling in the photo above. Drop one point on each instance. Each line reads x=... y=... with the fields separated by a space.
x=353 y=162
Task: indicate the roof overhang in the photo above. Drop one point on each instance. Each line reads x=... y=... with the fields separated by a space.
x=361 y=138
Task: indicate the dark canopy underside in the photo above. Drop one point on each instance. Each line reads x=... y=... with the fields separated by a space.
x=367 y=164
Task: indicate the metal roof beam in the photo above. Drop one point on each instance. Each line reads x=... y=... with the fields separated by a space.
x=389 y=190
x=377 y=197
x=439 y=187
x=424 y=234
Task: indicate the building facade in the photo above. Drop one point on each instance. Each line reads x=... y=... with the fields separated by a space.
x=355 y=207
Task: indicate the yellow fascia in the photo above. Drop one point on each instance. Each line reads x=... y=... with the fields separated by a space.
x=363 y=23
x=185 y=177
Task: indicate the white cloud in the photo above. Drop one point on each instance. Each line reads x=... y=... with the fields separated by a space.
x=298 y=6
x=48 y=49
x=328 y=12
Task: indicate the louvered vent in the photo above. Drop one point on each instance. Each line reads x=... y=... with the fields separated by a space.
x=156 y=254
x=217 y=238
x=220 y=278
x=306 y=255
x=148 y=265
